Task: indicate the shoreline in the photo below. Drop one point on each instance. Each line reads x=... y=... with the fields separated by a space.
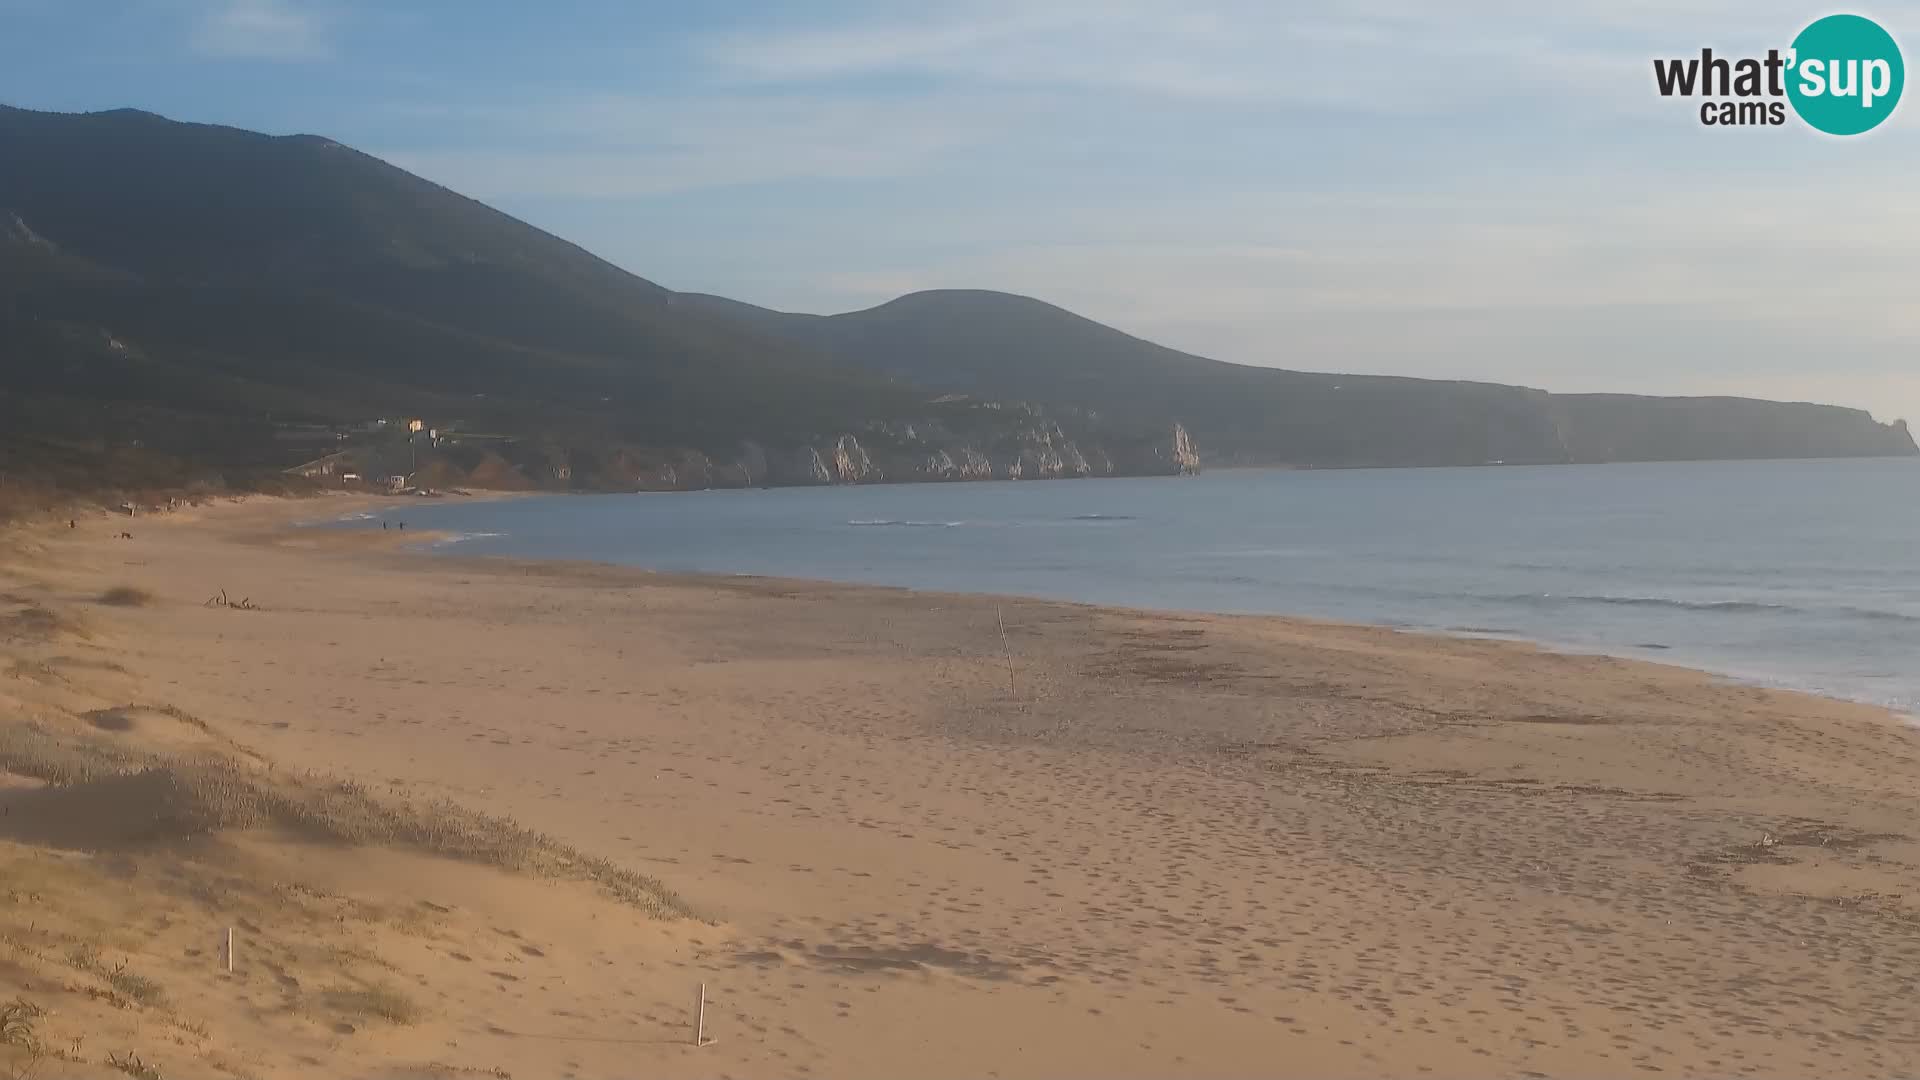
x=444 y=545
x=439 y=545
x=1126 y=842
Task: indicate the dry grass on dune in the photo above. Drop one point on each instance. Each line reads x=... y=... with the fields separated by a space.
x=126 y=596
x=110 y=784
x=24 y=621
x=105 y=795
x=380 y=1000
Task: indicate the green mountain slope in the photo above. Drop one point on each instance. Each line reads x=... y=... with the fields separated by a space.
x=295 y=277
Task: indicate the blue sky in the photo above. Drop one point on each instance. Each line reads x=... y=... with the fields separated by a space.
x=1475 y=189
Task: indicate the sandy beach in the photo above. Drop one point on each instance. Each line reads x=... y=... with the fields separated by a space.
x=920 y=834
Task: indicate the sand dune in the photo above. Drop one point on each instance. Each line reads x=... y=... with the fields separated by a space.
x=1160 y=845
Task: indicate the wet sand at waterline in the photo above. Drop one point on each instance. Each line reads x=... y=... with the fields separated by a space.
x=924 y=834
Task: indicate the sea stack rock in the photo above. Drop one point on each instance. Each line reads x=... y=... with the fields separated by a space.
x=1186 y=458
x=849 y=463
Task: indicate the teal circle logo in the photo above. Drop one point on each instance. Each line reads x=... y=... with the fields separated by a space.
x=1846 y=75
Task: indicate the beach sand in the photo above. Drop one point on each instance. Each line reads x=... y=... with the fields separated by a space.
x=1105 y=843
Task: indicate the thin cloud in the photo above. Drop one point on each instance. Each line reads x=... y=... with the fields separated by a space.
x=614 y=148
x=1682 y=292
x=262 y=30
x=1377 y=56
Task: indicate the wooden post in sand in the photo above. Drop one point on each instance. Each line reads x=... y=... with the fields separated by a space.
x=229 y=950
x=700 y=1018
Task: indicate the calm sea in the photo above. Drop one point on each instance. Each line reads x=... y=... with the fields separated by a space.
x=1803 y=574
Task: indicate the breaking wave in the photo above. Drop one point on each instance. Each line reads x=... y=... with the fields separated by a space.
x=1715 y=607
x=460 y=538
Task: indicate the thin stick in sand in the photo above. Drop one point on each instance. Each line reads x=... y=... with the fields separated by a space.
x=700 y=1018
x=1004 y=647
x=229 y=950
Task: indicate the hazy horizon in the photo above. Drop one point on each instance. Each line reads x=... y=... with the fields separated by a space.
x=1388 y=189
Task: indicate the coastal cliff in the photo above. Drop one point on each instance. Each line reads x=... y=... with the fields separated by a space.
x=928 y=451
